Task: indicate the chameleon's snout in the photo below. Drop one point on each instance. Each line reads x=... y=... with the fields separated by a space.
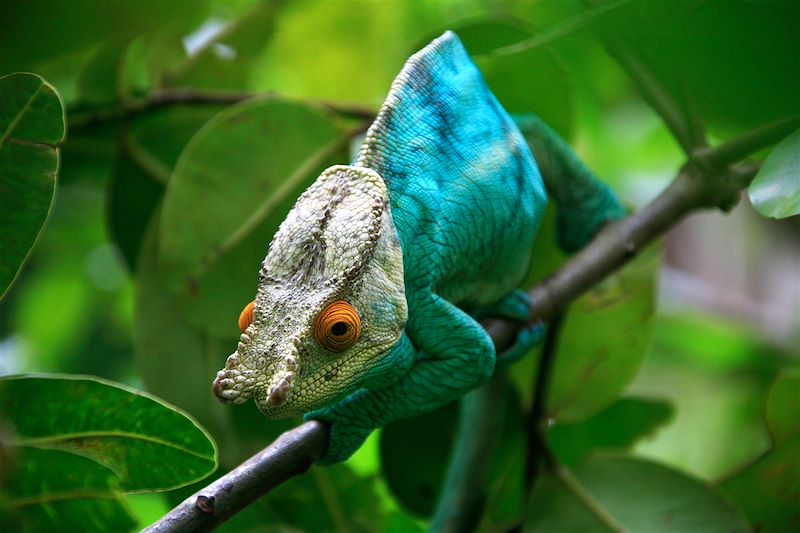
x=232 y=385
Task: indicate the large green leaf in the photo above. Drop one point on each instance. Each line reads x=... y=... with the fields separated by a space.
x=148 y=150
x=731 y=64
x=148 y=444
x=604 y=340
x=775 y=191
x=624 y=494
x=212 y=204
x=768 y=490
x=615 y=428
x=415 y=478
x=52 y=490
x=31 y=128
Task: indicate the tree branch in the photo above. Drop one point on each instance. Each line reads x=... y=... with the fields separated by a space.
x=81 y=118
x=292 y=453
x=746 y=144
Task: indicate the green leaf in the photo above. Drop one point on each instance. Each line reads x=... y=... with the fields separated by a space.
x=149 y=149
x=624 y=494
x=604 y=341
x=783 y=406
x=31 y=128
x=211 y=205
x=415 y=478
x=147 y=443
x=768 y=489
x=615 y=428
x=697 y=63
x=52 y=490
x=775 y=191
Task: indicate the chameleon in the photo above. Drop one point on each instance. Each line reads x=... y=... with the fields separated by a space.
x=368 y=298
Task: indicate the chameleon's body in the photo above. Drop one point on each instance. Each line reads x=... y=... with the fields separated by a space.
x=362 y=310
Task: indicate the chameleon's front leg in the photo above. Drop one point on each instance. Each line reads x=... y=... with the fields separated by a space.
x=452 y=355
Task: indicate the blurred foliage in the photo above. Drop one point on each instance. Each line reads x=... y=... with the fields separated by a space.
x=193 y=126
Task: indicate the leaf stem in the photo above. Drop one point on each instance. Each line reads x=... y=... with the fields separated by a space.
x=557 y=31
x=573 y=485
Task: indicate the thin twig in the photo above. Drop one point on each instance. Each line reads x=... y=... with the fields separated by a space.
x=558 y=31
x=82 y=118
x=537 y=447
x=746 y=144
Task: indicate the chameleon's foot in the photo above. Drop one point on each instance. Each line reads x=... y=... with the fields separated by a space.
x=515 y=305
x=527 y=339
x=345 y=438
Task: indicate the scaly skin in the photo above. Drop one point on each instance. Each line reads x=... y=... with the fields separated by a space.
x=435 y=219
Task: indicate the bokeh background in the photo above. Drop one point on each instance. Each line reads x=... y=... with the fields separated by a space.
x=684 y=346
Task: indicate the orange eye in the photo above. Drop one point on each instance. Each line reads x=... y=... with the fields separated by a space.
x=246 y=317
x=337 y=327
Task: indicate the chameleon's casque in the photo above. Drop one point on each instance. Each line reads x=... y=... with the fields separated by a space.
x=366 y=298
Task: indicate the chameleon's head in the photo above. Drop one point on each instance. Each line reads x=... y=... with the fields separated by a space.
x=330 y=303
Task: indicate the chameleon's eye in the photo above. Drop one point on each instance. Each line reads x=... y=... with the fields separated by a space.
x=246 y=317
x=337 y=327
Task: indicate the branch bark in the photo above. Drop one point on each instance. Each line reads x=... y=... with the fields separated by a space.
x=291 y=454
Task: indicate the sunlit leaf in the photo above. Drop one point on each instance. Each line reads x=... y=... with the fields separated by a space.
x=31 y=128
x=624 y=494
x=775 y=191
x=149 y=445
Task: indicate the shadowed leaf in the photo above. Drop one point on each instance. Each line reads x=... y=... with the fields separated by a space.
x=623 y=494
x=31 y=128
